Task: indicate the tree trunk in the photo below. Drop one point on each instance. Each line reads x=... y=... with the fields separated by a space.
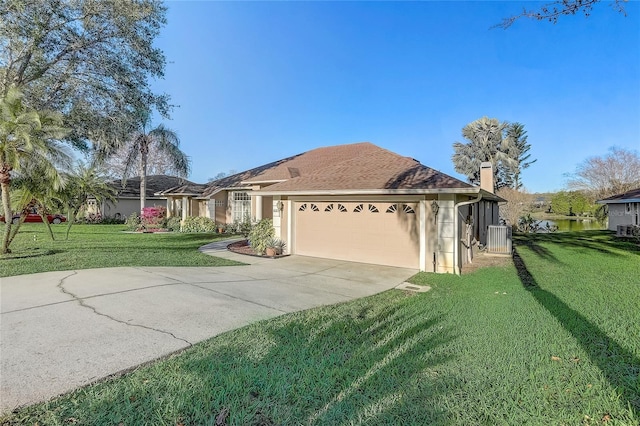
x=46 y=222
x=14 y=230
x=70 y=220
x=71 y=217
x=8 y=216
x=43 y=215
x=143 y=177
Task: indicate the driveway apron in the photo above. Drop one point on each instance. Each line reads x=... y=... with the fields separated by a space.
x=63 y=330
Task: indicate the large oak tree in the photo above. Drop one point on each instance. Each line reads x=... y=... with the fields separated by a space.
x=91 y=60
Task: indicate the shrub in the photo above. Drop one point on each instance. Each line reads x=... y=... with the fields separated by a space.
x=133 y=222
x=96 y=219
x=244 y=227
x=529 y=225
x=92 y=218
x=198 y=224
x=173 y=224
x=111 y=220
x=260 y=235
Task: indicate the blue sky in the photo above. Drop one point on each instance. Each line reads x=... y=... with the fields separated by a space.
x=259 y=81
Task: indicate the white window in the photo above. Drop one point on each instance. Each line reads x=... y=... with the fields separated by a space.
x=240 y=206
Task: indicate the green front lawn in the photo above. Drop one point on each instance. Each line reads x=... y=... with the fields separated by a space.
x=554 y=342
x=101 y=246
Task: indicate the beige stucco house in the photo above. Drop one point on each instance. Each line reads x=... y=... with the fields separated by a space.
x=356 y=202
x=128 y=195
x=624 y=209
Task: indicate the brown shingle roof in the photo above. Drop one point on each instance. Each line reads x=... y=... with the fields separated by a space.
x=188 y=189
x=358 y=166
x=365 y=166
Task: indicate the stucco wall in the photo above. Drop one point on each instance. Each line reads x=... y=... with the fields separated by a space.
x=618 y=215
x=125 y=207
x=267 y=207
x=221 y=207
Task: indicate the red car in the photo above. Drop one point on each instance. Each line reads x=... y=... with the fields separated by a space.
x=34 y=217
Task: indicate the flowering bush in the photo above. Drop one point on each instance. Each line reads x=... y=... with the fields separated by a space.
x=153 y=217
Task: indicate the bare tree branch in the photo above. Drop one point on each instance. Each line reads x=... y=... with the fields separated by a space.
x=553 y=11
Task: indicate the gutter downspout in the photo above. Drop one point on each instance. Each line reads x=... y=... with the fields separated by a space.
x=457 y=270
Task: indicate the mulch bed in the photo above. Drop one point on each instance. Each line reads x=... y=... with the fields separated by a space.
x=243 y=247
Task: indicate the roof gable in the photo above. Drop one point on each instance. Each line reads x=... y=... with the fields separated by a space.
x=365 y=167
x=358 y=166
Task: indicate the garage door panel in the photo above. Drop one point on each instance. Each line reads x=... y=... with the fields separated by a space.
x=360 y=233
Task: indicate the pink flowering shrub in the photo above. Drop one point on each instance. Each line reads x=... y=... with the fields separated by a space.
x=153 y=217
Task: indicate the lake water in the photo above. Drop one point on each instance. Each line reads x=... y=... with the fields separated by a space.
x=575 y=225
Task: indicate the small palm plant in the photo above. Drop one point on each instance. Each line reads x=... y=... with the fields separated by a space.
x=275 y=247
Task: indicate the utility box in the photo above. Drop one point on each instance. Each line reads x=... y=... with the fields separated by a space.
x=499 y=240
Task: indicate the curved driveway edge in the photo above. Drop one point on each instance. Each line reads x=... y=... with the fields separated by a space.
x=63 y=330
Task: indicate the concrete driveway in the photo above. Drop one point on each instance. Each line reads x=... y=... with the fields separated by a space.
x=63 y=330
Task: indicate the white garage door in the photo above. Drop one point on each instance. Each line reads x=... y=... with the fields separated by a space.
x=370 y=232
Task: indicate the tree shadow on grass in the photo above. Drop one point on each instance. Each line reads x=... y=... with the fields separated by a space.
x=24 y=254
x=601 y=241
x=540 y=251
x=619 y=366
x=376 y=361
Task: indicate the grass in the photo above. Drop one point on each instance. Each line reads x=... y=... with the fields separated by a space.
x=551 y=340
x=101 y=246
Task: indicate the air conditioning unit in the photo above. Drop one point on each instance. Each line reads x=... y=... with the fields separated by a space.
x=625 y=231
x=499 y=240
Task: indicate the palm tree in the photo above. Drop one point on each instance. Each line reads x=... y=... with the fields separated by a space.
x=486 y=143
x=24 y=135
x=84 y=183
x=165 y=141
x=36 y=187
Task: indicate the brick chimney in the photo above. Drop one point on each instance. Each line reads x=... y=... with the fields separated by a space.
x=486 y=177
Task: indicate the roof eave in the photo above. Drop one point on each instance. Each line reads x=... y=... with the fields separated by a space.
x=461 y=191
x=619 y=201
x=231 y=188
x=137 y=197
x=257 y=182
x=165 y=195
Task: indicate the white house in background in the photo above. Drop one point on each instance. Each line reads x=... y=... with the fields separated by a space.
x=624 y=209
x=355 y=202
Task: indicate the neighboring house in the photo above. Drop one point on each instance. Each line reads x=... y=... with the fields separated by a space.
x=356 y=202
x=128 y=196
x=624 y=209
